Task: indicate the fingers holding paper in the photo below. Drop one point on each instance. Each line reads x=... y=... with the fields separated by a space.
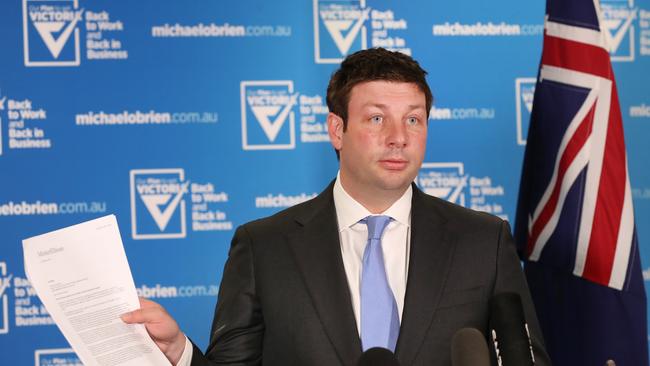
x=162 y=328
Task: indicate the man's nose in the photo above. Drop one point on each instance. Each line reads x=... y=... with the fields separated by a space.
x=396 y=134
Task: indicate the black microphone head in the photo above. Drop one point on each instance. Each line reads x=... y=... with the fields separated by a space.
x=378 y=356
x=509 y=330
x=468 y=348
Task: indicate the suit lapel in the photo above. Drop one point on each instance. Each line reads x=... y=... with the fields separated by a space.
x=429 y=260
x=318 y=253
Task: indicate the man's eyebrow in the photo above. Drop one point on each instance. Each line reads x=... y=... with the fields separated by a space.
x=384 y=106
x=417 y=106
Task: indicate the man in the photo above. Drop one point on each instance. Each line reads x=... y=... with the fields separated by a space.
x=303 y=287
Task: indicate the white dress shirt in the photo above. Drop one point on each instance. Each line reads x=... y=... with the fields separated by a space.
x=395 y=244
x=353 y=235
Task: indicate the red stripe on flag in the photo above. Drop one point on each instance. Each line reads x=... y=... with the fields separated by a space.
x=576 y=142
x=609 y=205
x=577 y=56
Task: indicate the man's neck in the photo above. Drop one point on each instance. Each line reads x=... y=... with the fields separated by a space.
x=375 y=201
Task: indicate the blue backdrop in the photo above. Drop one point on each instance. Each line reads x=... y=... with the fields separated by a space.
x=218 y=109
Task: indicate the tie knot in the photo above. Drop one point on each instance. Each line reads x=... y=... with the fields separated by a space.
x=376 y=225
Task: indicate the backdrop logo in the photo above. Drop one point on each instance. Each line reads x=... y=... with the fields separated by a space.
x=51 y=32
x=618 y=23
x=56 y=357
x=5 y=283
x=451 y=182
x=443 y=180
x=524 y=91
x=266 y=106
x=2 y=108
x=339 y=29
x=157 y=204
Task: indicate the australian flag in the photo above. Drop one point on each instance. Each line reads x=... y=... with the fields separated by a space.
x=575 y=222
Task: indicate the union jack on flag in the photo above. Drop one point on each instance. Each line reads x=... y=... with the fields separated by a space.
x=575 y=221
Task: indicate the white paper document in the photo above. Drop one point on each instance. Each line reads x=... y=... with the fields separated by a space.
x=81 y=275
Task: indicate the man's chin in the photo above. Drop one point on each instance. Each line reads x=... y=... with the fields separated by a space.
x=397 y=183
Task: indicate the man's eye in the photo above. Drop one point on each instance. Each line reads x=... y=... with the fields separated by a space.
x=412 y=121
x=376 y=119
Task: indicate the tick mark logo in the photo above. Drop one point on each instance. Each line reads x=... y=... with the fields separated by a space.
x=157 y=205
x=48 y=25
x=444 y=180
x=525 y=92
x=344 y=22
x=5 y=283
x=56 y=357
x=618 y=24
x=47 y=30
x=270 y=104
x=2 y=108
x=154 y=203
x=337 y=27
x=265 y=113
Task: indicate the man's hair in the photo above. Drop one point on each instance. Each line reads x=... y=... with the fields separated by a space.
x=375 y=64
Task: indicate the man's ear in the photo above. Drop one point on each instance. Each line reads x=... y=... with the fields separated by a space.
x=335 y=130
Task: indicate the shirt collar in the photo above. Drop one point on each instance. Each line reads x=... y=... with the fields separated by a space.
x=350 y=212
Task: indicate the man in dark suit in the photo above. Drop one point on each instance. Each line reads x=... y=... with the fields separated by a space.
x=301 y=287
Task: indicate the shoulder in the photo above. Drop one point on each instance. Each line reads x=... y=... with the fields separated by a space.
x=287 y=220
x=452 y=213
x=471 y=228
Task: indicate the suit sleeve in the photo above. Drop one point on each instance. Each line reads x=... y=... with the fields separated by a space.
x=238 y=327
x=510 y=278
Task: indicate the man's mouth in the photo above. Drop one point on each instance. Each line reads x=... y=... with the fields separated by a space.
x=393 y=163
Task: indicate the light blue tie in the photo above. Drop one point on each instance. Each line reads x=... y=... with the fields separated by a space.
x=379 y=317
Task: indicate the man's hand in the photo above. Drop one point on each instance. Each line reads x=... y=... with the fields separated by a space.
x=161 y=326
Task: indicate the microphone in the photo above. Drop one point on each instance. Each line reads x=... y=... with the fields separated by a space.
x=377 y=356
x=468 y=348
x=510 y=331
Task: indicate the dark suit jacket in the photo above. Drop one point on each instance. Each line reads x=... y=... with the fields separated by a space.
x=284 y=297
